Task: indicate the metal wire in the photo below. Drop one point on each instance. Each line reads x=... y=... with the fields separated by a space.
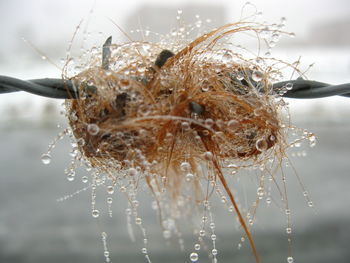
x=309 y=89
x=51 y=88
x=65 y=89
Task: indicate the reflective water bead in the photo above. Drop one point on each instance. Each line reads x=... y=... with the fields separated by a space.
x=194 y=257
x=288 y=230
x=197 y=246
x=275 y=37
x=213 y=237
x=84 y=179
x=312 y=140
x=232 y=124
x=132 y=172
x=95 y=213
x=189 y=176
x=289 y=86
x=227 y=57
x=185 y=166
x=268 y=200
x=93 y=129
x=214 y=251
x=261 y=145
x=46 y=158
x=257 y=75
x=71 y=176
x=260 y=192
x=138 y=221
x=205 y=88
x=208 y=156
x=290 y=259
x=240 y=76
x=110 y=189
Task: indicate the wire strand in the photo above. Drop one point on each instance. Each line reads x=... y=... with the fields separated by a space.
x=65 y=89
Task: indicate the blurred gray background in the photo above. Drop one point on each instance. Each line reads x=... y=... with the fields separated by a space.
x=34 y=227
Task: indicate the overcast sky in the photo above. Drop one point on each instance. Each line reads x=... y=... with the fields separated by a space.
x=49 y=25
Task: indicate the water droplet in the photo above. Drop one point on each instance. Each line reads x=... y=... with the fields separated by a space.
x=312 y=140
x=189 y=177
x=227 y=57
x=260 y=192
x=144 y=250
x=46 y=158
x=194 y=257
x=132 y=172
x=109 y=200
x=110 y=189
x=84 y=179
x=232 y=124
x=240 y=76
x=185 y=166
x=261 y=145
x=205 y=88
x=292 y=35
x=289 y=86
x=71 y=176
x=310 y=204
x=95 y=213
x=213 y=237
x=185 y=125
x=290 y=259
x=81 y=142
x=93 y=129
x=268 y=200
x=106 y=253
x=275 y=37
x=272 y=44
x=288 y=230
x=197 y=246
x=214 y=252
x=138 y=221
x=202 y=233
x=209 y=122
x=257 y=75
x=208 y=156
